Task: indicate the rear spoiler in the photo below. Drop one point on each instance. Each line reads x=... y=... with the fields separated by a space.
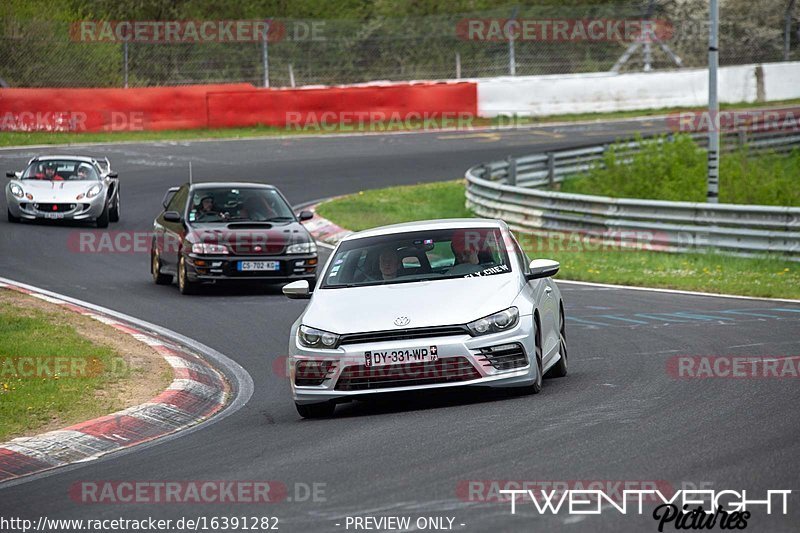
x=104 y=164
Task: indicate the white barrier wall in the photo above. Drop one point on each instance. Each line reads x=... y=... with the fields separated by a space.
x=598 y=92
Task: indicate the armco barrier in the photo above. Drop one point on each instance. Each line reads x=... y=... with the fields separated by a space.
x=161 y=108
x=509 y=190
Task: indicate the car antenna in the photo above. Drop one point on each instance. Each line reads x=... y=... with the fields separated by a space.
x=190 y=172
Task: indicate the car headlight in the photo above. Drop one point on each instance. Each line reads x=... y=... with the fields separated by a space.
x=208 y=248
x=501 y=321
x=94 y=190
x=16 y=190
x=302 y=248
x=316 y=338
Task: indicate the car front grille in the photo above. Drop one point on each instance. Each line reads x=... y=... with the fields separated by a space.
x=54 y=208
x=504 y=356
x=447 y=370
x=257 y=248
x=402 y=334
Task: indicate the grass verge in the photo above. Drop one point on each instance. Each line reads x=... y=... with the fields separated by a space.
x=709 y=272
x=681 y=167
x=9 y=138
x=58 y=368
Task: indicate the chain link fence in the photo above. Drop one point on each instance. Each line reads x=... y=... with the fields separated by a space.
x=328 y=52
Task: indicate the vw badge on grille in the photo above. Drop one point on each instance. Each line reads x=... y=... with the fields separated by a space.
x=401 y=321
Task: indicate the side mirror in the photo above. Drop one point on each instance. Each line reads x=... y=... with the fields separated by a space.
x=172 y=216
x=543 y=268
x=113 y=175
x=297 y=290
x=11 y=175
x=306 y=215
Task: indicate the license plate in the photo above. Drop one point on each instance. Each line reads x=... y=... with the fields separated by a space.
x=252 y=266
x=53 y=215
x=398 y=357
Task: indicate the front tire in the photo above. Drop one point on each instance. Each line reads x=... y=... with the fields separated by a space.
x=559 y=370
x=184 y=285
x=102 y=220
x=12 y=218
x=155 y=270
x=316 y=410
x=536 y=386
x=113 y=214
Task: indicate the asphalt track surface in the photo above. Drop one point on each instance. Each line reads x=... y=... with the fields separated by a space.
x=619 y=415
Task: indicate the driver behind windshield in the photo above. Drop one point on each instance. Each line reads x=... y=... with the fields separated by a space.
x=206 y=208
x=48 y=173
x=465 y=246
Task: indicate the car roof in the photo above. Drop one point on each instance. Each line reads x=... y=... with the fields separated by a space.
x=427 y=225
x=231 y=185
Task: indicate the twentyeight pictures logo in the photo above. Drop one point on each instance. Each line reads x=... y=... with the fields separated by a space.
x=684 y=509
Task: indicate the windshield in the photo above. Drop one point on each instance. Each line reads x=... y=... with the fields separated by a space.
x=238 y=205
x=61 y=170
x=418 y=256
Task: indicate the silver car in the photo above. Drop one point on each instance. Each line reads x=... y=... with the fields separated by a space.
x=64 y=187
x=424 y=305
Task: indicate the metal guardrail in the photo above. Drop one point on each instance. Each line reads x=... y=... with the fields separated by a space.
x=515 y=190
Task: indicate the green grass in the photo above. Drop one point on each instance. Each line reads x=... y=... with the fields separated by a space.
x=393 y=205
x=677 y=171
x=44 y=138
x=710 y=272
x=28 y=403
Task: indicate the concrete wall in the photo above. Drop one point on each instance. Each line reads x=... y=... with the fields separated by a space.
x=598 y=92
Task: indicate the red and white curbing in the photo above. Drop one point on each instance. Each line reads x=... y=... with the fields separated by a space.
x=197 y=392
x=322 y=229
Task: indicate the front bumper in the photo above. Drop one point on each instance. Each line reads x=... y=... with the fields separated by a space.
x=462 y=354
x=54 y=210
x=212 y=268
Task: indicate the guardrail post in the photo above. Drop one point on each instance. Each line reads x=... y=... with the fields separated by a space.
x=742 y=137
x=512 y=171
x=551 y=168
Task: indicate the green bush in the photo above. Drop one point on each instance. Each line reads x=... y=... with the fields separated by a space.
x=677 y=171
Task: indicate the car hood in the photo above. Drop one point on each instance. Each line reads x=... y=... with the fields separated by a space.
x=244 y=237
x=56 y=191
x=430 y=303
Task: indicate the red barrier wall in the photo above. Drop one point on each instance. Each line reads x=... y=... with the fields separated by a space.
x=298 y=108
x=219 y=106
x=150 y=108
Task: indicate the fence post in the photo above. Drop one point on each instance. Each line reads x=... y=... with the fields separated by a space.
x=291 y=75
x=741 y=137
x=125 y=61
x=458 y=66
x=265 y=57
x=551 y=168
x=511 y=173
